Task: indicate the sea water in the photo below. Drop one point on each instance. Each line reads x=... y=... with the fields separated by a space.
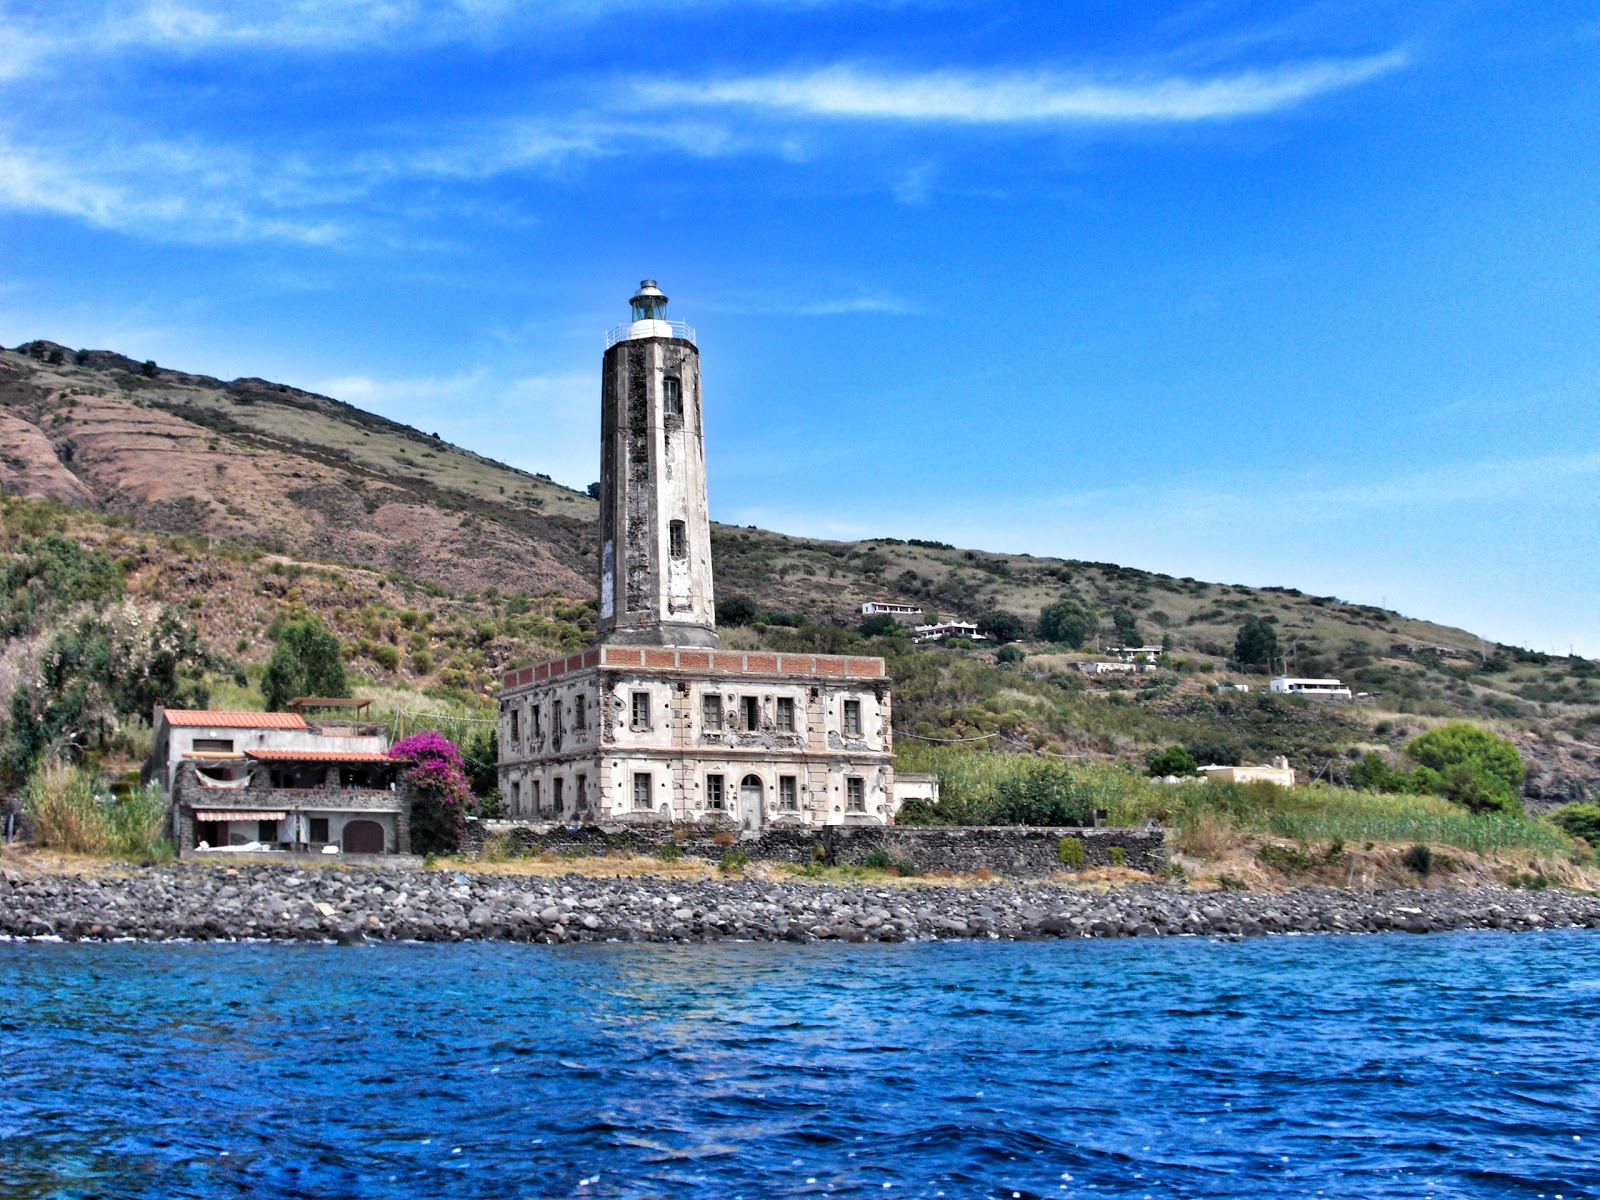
x=1394 y=1066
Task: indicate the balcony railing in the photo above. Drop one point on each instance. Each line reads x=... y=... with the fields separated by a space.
x=679 y=329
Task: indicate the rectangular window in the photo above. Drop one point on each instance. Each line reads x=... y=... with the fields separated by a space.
x=641 y=710
x=788 y=793
x=319 y=829
x=714 y=793
x=214 y=745
x=672 y=396
x=516 y=725
x=711 y=712
x=678 y=539
x=580 y=786
x=785 y=715
x=750 y=712
x=641 y=791
x=855 y=794
x=538 y=731
x=852 y=718
x=266 y=831
x=580 y=714
x=534 y=798
x=556 y=797
x=516 y=798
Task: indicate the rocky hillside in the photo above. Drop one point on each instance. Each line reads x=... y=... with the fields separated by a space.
x=242 y=499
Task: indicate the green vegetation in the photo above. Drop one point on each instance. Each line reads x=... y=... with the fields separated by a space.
x=1256 y=643
x=65 y=810
x=1211 y=816
x=1419 y=858
x=1067 y=622
x=1174 y=760
x=98 y=680
x=1070 y=852
x=51 y=574
x=306 y=661
x=1001 y=626
x=1462 y=762
x=1579 y=821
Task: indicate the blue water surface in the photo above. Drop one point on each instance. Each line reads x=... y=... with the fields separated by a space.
x=1447 y=1065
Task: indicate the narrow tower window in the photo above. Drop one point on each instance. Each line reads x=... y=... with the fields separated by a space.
x=672 y=396
x=678 y=537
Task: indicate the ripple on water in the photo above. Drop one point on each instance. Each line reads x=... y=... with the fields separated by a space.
x=1353 y=1067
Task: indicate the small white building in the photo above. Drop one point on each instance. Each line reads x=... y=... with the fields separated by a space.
x=900 y=612
x=1278 y=772
x=1132 y=653
x=949 y=629
x=1316 y=689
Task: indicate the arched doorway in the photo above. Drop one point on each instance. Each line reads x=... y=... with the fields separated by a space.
x=751 y=801
x=363 y=837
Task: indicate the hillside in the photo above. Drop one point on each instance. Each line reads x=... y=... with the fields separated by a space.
x=244 y=500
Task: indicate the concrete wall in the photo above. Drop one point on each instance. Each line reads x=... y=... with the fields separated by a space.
x=1010 y=850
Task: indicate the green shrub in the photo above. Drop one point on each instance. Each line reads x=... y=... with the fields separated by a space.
x=1419 y=858
x=1579 y=820
x=386 y=657
x=1117 y=855
x=878 y=860
x=1174 y=760
x=733 y=862
x=1479 y=770
x=669 y=851
x=1010 y=654
x=1070 y=852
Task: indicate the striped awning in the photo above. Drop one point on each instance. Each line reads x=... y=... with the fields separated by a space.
x=240 y=814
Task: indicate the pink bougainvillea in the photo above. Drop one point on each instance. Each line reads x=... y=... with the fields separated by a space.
x=441 y=798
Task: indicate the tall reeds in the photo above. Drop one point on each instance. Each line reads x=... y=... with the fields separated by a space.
x=65 y=810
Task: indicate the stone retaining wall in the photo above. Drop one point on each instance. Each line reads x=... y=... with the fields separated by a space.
x=1011 y=850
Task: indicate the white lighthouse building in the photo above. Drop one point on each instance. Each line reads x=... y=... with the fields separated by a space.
x=658 y=721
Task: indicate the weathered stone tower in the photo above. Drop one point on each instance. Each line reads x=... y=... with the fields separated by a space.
x=655 y=534
x=658 y=721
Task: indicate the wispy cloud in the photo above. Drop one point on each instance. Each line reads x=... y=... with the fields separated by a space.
x=1022 y=98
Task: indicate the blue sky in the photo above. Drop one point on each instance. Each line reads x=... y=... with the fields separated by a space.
x=1299 y=294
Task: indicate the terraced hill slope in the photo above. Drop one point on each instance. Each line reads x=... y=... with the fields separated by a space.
x=503 y=561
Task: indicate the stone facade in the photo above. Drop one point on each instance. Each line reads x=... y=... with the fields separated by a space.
x=655 y=534
x=326 y=811
x=619 y=733
x=658 y=723
x=1019 y=852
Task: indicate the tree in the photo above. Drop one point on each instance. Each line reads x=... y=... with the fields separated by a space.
x=1174 y=760
x=594 y=491
x=1257 y=643
x=1480 y=771
x=1579 y=820
x=1067 y=622
x=1010 y=654
x=307 y=660
x=1127 y=626
x=441 y=798
x=1002 y=626
x=736 y=610
x=1214 y=751
x=882 y=625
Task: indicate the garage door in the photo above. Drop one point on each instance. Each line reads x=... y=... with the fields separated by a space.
x=363 y=837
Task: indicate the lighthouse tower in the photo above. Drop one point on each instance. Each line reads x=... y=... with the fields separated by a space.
x=658 y=721
x=655 y=534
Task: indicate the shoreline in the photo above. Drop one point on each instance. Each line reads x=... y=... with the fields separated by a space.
x=355 y=905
